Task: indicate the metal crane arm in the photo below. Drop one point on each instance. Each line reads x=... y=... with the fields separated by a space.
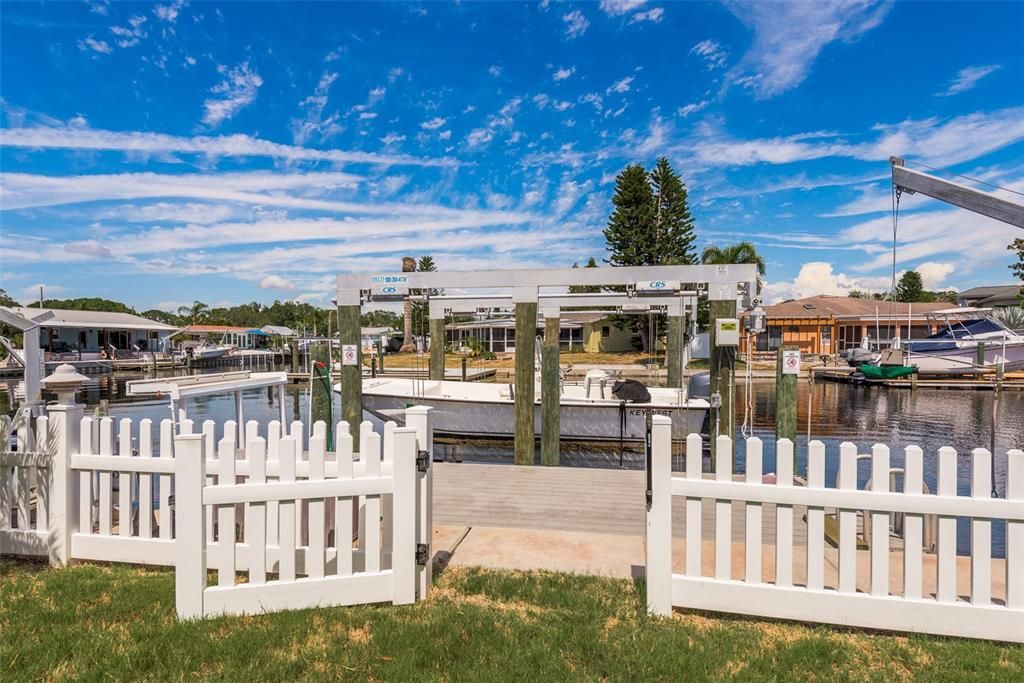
x=959 y=195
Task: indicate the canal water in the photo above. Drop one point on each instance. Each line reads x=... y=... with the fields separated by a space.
x=864 y=415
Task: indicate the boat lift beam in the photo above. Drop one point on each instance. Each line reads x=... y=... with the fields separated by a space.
x=984 y=203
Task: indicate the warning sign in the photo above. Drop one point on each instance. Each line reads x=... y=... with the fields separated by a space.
x=790 y=362
x=349 y=354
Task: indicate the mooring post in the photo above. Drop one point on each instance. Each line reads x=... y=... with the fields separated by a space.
x=550 y=391
x=380 y=356
x=351 y=373
x=437 y=348
x=980 y=361
x=674 y=351
x=293 y=345
x=721 y=364
x=785 y=398
x=321 y=393
x=526 y=328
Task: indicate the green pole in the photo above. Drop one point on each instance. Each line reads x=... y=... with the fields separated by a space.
x=550 y=398
x=526 y=328
x=785 y=399
x=674 y=351
x=437 y=348
x=351 y=376
x=294 y=345
x=320 y=393
x=722 y=369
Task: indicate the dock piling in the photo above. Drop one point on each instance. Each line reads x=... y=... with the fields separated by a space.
x=437 y=348
x=351 y=376
x=550 y=399
x=674 y=352
x=785 y=399
x=526 y=328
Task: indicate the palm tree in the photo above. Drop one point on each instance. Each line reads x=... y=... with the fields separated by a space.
x=196 y=312
x=741 y=252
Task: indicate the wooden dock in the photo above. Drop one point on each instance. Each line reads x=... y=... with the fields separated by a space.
x=1012 y=381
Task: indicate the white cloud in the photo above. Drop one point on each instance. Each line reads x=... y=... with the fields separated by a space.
x=561 y=105
x=91 y=43
x=135 y=142
x=594 y=99
x=48 y=290
x=503 y=120
x=693 y=108
x=99 y=7
x=392 y=139
x=129 y=37
x=564 y=73
x=169 y=13
x=235 y=92
x=367 y=115
x=494 y=70
x=276 y=282
x=615 y=8
x=622 y=85
x=788 y=37
x=817 y=277
x=190 y=60
x=933 y=275
x=712 y=53
x=541 y=100
x=395 y=73
x=653 y=15
x=575 y=23
x=434 y=123
x=967 y=78
x=314 y=123
x=445 y=135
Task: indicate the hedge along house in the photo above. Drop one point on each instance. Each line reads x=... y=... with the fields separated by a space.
x=590 y=332
x=92 y=335
x=831 y=324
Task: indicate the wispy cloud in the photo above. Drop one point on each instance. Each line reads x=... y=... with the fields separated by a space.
x=90 y=43
x=237 y=90
x=434 y=123
x=621 y=85
x=131 y=35
x=692 y=108
x=313 y=122
x=169 y=13
x=967 y=78
x=788 y=37
x=615 y=8
x=575 y=23
x=711 y=52
x=136 y=142
x=653 y=15
x=563 y=73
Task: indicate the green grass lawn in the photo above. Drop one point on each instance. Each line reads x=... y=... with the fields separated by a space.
x=117 y=622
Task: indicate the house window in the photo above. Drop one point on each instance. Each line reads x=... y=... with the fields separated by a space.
x=606 y=331
x=770 y=339
x=826 y=338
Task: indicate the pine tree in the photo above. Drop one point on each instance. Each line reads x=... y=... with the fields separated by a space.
x=673 y=225
x=910 y=287
x=585 y=289
x=630 y=233
x=420 y=312
x=1017 y=247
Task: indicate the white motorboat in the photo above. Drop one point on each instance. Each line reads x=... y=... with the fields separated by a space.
x=955 y=349
x=589 y=411
x=206 y=351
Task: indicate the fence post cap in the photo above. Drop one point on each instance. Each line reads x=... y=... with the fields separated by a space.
x=65 y=381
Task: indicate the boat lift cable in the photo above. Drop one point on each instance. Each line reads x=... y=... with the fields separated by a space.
x=965 y=177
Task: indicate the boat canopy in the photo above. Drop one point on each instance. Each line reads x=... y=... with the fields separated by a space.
x=945 y=340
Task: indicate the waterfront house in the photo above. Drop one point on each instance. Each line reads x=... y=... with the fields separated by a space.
x=831 y=324
x=994 y=296
x=590 y=332
x=244 y=338
x=92 y=335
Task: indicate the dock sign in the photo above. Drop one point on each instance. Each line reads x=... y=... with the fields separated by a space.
x=349 y=354
x=389 y=284
x=791 y=362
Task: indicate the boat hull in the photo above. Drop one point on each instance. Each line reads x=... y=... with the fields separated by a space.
x=604 y=421
x=964 y=360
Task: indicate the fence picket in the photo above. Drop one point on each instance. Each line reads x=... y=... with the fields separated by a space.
x=298 y=432
x=752 y=546
x=124 y=479
x=286 y=523
x=386 y=503
x=24 y=480
x=210 y=447
x=879 y=522
x=816 y=518
x=44 y=476
x=694 y=512
x=945 y=564
x=723 y=510
x=784 y=515
x=847 y=481
x=404 y=569
x=106 y=491
x=166 y=481
x=190 y=545
x=343 y=506
x=85 y=479
x=256 y=513
x=913 y=525
x=146 y=481
x=226 y=513
x=1015 y=531
x=315 y=555
x=371 y=544
x=273 y=507
x=981 y=530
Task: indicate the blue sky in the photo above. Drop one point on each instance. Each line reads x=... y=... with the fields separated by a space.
x=161 y=153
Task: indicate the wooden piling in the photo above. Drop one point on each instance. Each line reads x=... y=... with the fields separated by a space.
x=980 y=360
x=526 y=328
x=437 y=348
x=351 y=376
x=785 y=399
x=722 y=371
x=294 y=355
x=674 y=351
x=321 y=394
x=550 y=395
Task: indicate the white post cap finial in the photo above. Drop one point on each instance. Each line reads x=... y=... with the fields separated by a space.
x=65 y=381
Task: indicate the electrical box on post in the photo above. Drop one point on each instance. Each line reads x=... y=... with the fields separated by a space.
x=727 y=332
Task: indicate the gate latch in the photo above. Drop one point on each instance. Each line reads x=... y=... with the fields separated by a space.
x=422 y=554
x=422 y=461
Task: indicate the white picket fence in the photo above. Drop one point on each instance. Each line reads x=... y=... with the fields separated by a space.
x=835 y=597
x=329 y=528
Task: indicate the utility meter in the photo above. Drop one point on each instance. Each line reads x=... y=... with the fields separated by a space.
x=727 y=332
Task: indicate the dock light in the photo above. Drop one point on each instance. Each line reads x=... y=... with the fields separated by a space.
x=64 y=381
x=757 y=321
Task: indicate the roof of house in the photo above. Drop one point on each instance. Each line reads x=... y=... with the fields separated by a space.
x=102 y=320
x=280 y=330
x=826 y=306
x=374 y=331
x=203 y=329
x=982 y=296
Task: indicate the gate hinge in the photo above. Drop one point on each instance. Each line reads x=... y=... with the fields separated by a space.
x=422 y=461
x=422 y=554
